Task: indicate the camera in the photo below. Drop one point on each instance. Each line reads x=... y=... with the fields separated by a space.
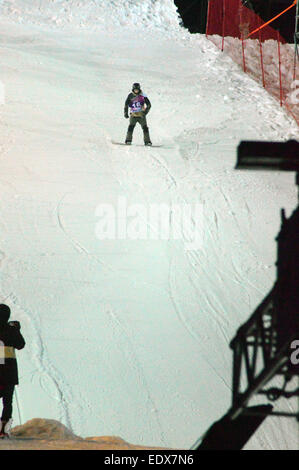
x=15 y=324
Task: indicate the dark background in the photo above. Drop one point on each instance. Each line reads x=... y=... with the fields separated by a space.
x=194 y=15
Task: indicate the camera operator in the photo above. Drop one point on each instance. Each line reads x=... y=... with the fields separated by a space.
x=10 y=338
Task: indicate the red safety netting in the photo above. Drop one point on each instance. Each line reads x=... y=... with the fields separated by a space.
x=265 y=55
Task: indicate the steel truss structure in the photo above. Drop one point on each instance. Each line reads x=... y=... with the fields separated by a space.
x=257 y=359
x=262 y=347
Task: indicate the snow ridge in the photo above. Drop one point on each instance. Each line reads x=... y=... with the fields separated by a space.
x=94 y=14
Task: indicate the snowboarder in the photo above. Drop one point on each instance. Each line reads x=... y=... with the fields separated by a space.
x=10 y=338
x=139 y=105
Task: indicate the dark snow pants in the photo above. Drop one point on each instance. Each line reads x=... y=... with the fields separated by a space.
x=142 y=121
x=6 y=394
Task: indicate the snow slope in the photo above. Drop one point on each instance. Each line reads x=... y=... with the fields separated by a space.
x=130 y=337
x=95 y=14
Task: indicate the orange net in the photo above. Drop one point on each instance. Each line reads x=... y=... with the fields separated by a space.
x=258 y=48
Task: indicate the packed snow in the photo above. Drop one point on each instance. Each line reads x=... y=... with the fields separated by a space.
x=131 y=337
x=95 y=14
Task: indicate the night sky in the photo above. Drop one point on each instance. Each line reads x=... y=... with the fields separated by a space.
x=194 y=14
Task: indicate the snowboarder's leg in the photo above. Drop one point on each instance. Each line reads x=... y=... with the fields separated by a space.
x=146 y=136
x=7 y=396
x=130 y=130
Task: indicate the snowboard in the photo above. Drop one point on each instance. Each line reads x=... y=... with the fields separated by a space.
x=136 y=145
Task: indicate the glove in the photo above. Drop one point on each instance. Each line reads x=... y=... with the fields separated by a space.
x=126 y=116
x=15 y=324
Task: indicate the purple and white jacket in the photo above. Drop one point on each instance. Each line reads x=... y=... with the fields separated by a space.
x=137 y=103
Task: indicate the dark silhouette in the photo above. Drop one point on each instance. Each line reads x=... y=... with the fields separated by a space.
x=10 y=338
x=194 y=14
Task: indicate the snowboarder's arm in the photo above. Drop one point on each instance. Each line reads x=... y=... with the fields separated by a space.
x=20 y=343
x=148 y=105
x=127 y=106
x=17 y=340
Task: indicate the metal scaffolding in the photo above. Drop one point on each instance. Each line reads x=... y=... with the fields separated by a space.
x=258 y=359
x=263 y=345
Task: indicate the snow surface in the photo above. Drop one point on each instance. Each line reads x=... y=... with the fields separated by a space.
x=95 y=14
x=124 y=337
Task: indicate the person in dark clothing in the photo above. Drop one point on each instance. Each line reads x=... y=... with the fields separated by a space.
x=139 y=105
x=10 y=339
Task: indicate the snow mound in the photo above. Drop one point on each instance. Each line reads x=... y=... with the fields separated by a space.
x=38 y=428
x=94 y=14
x=49 y=434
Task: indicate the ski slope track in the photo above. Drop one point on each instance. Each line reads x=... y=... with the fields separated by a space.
x=131 y=337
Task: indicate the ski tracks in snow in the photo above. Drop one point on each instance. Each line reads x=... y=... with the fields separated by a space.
x=173 y=288
x=73 y=241
x=174 y=186
x=137 y=367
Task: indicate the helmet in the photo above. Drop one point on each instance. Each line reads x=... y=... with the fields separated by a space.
x=136 y=86
x=4 y=313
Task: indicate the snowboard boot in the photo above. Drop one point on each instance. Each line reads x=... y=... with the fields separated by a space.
x=146 y=136
x=5 y=429
x=128 y=142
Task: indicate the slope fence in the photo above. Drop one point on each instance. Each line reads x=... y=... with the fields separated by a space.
x=258 y=48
